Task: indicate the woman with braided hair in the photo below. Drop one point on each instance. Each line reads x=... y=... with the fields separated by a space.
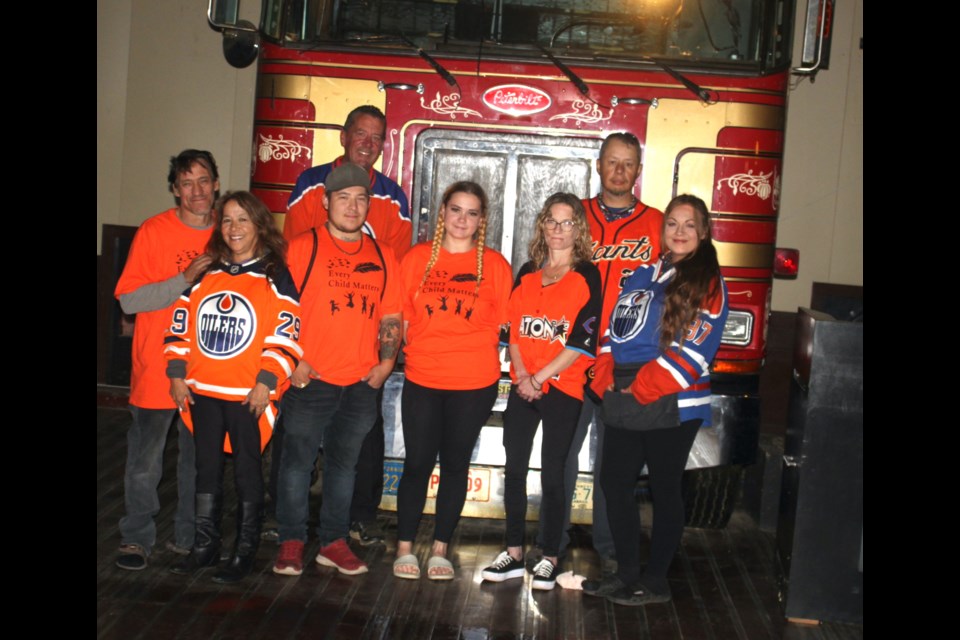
x=455 y=299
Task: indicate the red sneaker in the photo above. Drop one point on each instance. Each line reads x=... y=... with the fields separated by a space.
x=339 y=556
x=290 y=559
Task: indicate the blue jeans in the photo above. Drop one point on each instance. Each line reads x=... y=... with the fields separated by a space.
x=146 y=439
x=339 y=418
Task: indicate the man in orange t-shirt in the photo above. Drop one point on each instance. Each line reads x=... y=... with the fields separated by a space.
x=166 y=257
x=351 y=329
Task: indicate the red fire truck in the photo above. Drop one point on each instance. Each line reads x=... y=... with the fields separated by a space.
x=518 y=95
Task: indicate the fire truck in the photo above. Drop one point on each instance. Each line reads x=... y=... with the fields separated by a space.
x=518 y=95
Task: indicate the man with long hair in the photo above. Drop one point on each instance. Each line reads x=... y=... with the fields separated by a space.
x=166 y=257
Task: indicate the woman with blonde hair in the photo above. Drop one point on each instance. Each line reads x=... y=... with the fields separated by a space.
x=553 y=312
x=455 y=300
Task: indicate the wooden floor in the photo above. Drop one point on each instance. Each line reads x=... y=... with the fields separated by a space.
x=722 y=581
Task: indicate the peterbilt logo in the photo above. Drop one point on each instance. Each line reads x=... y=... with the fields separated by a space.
x=516 y=99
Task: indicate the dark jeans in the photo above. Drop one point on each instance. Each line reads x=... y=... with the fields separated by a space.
x=559 y=413
x=146 y=440
x=602 y=539
x=213 y=418
x=339 y=418
x=665 y=452
x=444 y=422
x=368 y=488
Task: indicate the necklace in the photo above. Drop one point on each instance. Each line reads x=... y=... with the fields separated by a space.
x=615 y=213
x=559 y=272
x=337 y=244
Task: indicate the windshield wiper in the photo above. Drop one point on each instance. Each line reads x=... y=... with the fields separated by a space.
x=443 y=73
x=567 y=71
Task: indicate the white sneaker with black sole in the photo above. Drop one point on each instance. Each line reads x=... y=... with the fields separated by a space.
x=504 y=567
x=544 y=575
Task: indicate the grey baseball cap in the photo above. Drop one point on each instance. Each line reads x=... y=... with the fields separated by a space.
x=347 y=175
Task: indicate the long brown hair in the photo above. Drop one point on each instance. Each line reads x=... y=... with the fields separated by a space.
x=697 y=277
x=474 y=189
x=538 y=250
x=271 y=246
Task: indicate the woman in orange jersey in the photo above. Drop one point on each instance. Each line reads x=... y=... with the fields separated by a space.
x=230 y=349
x=553 y=314
x=455 y=299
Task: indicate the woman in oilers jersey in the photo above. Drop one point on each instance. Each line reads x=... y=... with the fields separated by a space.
x=455 y=293
x=230 y=349
x=654 y=374
x=553 y=313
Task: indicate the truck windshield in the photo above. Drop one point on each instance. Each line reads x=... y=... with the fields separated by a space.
x=698 y=33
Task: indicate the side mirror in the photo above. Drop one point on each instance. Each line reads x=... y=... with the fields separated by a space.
x=817 y=36
x=241 y=39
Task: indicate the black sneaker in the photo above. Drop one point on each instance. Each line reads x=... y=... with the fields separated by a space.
x=367 y=533
x=603 y=588
x=637 y=596
x=505 y=567
x=544 y=575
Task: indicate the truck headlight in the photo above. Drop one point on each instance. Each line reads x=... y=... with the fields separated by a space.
x=739 y=328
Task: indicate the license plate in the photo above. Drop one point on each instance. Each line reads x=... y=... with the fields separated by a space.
x=478 y=485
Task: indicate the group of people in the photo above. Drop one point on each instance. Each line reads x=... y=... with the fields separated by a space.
x=238 y=325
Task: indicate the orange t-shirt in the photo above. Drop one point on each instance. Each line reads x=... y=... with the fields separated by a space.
x=163 y=247
x=453 y=335
x=351 y=287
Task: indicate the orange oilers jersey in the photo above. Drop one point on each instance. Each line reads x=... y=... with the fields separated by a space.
x=351 y=286
x=544 y=320
x=232 y=325
x=620 y=246
x=452 y=339
x=163 y=247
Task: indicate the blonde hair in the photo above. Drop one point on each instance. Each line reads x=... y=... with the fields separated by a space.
x=474 y=189
x=581 y=247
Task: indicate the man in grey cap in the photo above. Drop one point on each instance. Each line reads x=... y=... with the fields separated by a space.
x=351 y=313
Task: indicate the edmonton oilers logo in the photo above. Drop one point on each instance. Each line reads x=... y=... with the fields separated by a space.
x=629 y=315
x=226 y=325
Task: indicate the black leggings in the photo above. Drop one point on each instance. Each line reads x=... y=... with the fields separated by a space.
x=444 y=422
x=665 y=452
x=559 y=413
x=212 y=418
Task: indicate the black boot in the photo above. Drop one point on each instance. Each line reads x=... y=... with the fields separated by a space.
x=206 y=546
x=249 y=518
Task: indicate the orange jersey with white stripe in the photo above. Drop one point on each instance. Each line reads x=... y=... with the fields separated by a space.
x=233 y=324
